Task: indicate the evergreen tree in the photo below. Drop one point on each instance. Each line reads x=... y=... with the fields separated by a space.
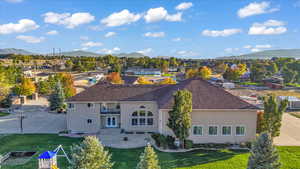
x=263 y=154
x=148 y=159
x=57 y=98
x=179 y=117
x=272 y=115
x=90 y=154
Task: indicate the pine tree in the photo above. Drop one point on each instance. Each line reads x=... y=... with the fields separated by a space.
x=57 y=98
x=90 y=154
x=272 y=115
x=179 y=117
x=263 y=154
x=148 y=159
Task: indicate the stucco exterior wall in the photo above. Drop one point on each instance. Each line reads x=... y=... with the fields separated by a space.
x=77 y=118
x=127 y=108
x=205 y=118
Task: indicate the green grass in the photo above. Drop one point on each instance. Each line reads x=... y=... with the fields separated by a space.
x=295 y=114
x=2 y=114
x=293 y=84
x=127 y=159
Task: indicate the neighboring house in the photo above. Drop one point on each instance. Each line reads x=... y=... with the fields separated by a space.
x=143 y=71
x=293 y=102
x=217 y=116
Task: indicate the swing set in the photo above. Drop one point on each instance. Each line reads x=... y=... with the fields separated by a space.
x=48 y=159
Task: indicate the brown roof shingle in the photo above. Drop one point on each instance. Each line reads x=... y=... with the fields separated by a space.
x=205 y=95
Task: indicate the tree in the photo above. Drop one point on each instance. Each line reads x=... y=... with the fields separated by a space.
x=90 y=154
x=191 y=73
x=205 y=72
x=4 y=86
x=148 y=159
x=221 y=68
x=272 y=115
x=115 y=78
x=26 y=87
x=258 y=72
x=263 y=154
x=57 y=98
x=143 y=80
x=179 y=117
x=44 y=87
x=167 y=80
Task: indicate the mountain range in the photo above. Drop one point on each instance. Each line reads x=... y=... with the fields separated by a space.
x=268 y=54
x=7 y=51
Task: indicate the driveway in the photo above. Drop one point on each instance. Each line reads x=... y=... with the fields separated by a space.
x=37 y=120
x=289 y=132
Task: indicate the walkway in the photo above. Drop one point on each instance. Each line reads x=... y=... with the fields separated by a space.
x=290 y=131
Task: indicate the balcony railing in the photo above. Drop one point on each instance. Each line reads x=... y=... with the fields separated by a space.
x=110 y=111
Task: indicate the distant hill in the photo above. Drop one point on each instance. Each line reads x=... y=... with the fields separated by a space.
x=7 y=51
x=129 y=55
x=268 y=54
x=80 y=53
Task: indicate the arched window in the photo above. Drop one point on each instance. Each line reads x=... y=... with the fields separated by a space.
x=142 y=107
x=142 y=118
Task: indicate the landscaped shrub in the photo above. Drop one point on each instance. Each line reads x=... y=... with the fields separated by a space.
x=188 y=144
x=164 y=141
x=212 y=145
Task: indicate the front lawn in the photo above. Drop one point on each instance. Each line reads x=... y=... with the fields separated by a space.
x=127 y=159
x=2 y=114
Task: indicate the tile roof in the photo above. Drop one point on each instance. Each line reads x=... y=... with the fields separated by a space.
x=205 y=95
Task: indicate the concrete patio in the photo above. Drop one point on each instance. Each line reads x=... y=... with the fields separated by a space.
x=115 y=139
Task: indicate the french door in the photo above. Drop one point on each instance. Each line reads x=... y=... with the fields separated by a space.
x=111 y=122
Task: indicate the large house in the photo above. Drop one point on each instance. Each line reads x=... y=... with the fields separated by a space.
x=217 y=116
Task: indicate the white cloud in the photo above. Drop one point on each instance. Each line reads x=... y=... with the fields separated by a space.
x=146 y=51
x=176 y=39
x=23 y=25
x=67 y=19
x=84 y=48
x=184 y=6
x=30 y=39
x=231 y=50
x=184 y=53
x=255 y=50
x=14 y=1
x=155 y=34
x=247 y=47
x=266 y=46
x=270 y=27
x=53 y=32
x=84 y=38
x=110 y=34
x=110 y=51
x=256 y=8
x=91 y=44
x=223 y=33
x=160 y=13
x=120 y=18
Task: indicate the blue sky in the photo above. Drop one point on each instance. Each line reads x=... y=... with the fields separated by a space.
x=187 y=29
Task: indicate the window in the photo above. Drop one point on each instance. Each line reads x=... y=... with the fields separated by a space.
x=142 y=107
x=213 y=130
x=135 y=113
x=71 y=106
x=240 y=130
x=142 y=113
x=134 y=122
x=89 y=121
x=198 y=130
x=226 y=130
x=150 y=121
x=90 y=104
x=142 y=121
x=142 y=118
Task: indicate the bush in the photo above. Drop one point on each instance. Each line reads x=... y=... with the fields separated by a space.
x=162 y=141
x=188 y=144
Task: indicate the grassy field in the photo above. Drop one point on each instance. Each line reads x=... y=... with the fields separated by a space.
x=127 y=159
x=2 y=114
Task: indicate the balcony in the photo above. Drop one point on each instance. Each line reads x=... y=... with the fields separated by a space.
x=110 y=108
